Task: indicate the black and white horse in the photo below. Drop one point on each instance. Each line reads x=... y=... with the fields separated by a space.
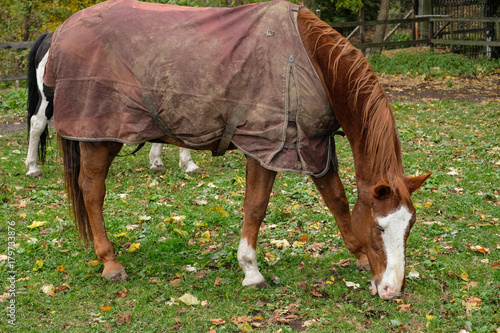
x=40 y=110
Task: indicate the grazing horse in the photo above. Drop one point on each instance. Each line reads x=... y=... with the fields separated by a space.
x=270 y=79
x=40 y=110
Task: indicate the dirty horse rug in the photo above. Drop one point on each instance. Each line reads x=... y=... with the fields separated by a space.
x=132 y=72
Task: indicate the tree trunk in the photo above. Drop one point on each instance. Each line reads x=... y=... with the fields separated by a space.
x=383 y=14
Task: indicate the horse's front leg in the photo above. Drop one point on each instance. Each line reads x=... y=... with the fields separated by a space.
x=95 y=159
x=332 y=190
x=259 y=183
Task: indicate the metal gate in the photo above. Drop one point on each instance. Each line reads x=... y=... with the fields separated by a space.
x=473 y=31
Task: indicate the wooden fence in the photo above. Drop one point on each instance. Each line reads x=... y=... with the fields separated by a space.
x=434 y=37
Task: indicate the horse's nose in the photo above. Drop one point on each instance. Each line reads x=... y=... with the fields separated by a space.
x=386 y=292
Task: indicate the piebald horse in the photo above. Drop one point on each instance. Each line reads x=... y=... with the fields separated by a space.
x=377 y=230
x=40 y=110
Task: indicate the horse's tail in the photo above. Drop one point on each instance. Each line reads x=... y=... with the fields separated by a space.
x=34 y=96
x=71 y=158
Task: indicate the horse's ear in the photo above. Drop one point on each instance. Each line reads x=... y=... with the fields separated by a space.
x=381 y=191
x=414 y=183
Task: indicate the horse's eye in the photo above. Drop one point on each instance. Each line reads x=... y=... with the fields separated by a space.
x=380 y=228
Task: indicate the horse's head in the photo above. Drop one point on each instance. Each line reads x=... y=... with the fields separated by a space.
x=381 y=219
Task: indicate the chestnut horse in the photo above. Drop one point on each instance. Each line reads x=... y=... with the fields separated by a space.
x=40 y=110
x=382 y=216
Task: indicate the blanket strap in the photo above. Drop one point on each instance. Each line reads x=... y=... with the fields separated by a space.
x=150 y=104
x=231 y=126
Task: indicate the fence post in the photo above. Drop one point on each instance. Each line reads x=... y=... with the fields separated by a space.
x=430 y=26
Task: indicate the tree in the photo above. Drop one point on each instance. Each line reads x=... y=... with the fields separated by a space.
x=383 y=15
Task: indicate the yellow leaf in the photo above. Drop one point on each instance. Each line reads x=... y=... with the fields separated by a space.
x=220 y=210
x=93 y=263
x=38 y=265
x=120 y=234
x=269 y=256
x=22 y=215
x=124 y=201
x=464 y=276
x=205 y=237
x=36 y=224
x=298 y=244
x=134 y=247
x=189 y=299
x=180 y=232
x=427 y=204
x=61 y=268
x=429 y=317
x=105 y=308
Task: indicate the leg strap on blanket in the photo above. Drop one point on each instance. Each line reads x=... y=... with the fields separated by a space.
x=150 y=104
x=231 y=126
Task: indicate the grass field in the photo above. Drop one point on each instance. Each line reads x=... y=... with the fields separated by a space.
x=177 y=236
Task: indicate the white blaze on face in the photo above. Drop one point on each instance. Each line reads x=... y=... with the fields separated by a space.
x=395 y=225
x=247 y=258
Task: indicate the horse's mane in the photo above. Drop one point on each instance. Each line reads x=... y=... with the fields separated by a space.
x=382 y=145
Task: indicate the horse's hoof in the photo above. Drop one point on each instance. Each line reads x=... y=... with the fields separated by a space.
x=158 y=167
x=35 y=173
x=193 y=169
x=116 y=276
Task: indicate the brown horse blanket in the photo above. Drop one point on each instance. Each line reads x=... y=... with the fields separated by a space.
x=132 y=72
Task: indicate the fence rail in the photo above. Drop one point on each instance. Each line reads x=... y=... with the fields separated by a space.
x=432 y=39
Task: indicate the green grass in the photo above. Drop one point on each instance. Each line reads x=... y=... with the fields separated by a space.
x=431 y=64
x=458 y=207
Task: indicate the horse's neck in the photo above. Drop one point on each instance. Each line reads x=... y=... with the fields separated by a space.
x=341 y=85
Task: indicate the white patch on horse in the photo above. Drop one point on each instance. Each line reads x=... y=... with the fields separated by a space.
x=247 y=258
x=395 y=225
x=37 y=123
x=186 y=161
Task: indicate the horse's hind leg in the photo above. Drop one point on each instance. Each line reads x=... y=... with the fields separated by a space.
x=259 y=183
x=331 y=189
x=186 y=161
x=95 y=159
x=155 y=157
x=38 y=124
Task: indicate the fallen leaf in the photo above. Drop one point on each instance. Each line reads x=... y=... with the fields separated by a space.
x=180 y=232
x=105 y=308
x=93 y=263
x=122 y=294
x=217 y=321
x=316 y=293
x=38 y=265
x=133 y=226
x=36 y=224
x=413 y=274
x=217 y=281
x=343 y=262
x=205 y=237
x=48 y=289
x=175 y=282
x=63 y=287
x=479 y=248
x=3 y=257
x=134 y=247
x=471 y=303
x=188 y=299
x=304 y=238
x=120 y=234
x=125 y=317
x=61 y=268
x=298 y=244
x=403 y=307
x=280 y=243
x=350 y=284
